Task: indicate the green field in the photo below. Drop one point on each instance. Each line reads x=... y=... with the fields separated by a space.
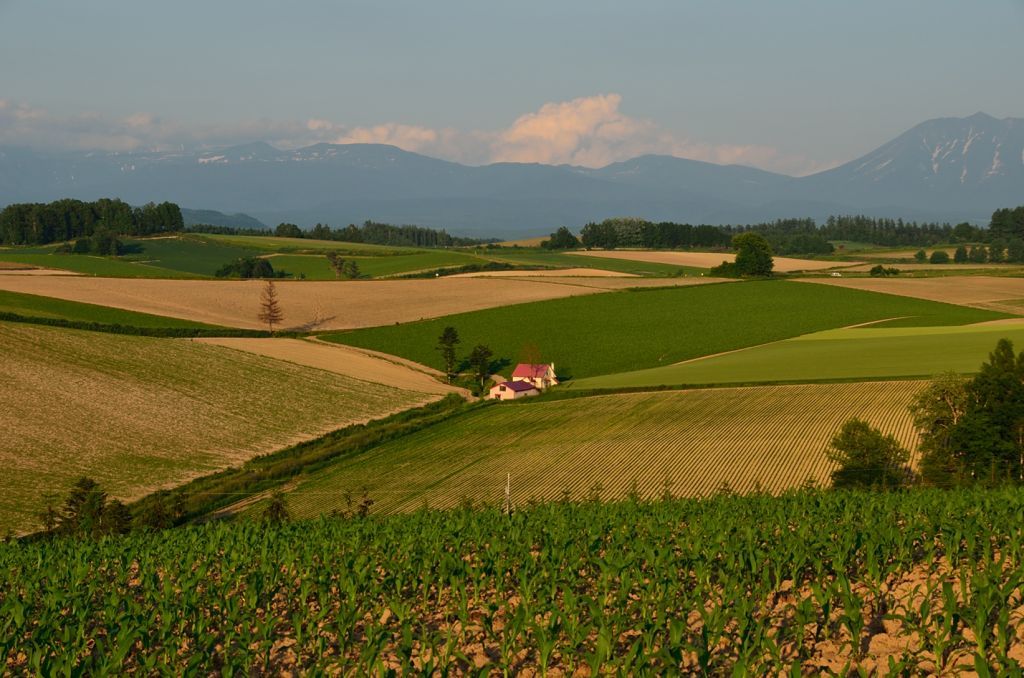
x=539 y=257
x=91 y=265
x=857 y=353
x=187 y=254
x=316 y=267
x=35 y=306
x=293 y=245
x=139 y=414
x=773 y=437
x=626 y=331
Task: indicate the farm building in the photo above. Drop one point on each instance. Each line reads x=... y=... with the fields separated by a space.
x=511 y=390
x=542 y=376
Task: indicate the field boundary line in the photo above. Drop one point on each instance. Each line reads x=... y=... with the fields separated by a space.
x=779 y=341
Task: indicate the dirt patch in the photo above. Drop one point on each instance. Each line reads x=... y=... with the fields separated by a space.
x=327 y=305
x=346 y=360
x=12 y=268
x=982 y=291
x=709 y=259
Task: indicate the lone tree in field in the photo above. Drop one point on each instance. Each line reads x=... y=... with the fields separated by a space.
x=480 y=361
x=337 y=263
x=753 y=254
x=446 y=345
x=270 y=307
x=867 y=458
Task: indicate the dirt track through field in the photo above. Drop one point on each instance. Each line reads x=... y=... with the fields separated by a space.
x=319 y=305
x=995 y=293
x=709 y=259
x=346 y=360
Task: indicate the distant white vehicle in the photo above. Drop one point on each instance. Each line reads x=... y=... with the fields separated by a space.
x=836 y=274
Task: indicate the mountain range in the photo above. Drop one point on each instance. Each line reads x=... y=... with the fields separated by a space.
x=947 y=169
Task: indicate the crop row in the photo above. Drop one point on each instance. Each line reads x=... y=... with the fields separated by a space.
x=688 y=443
x=928 y=581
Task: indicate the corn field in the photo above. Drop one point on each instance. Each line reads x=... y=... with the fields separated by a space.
x=809 y=582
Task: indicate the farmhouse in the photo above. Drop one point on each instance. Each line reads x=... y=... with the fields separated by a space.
x=542 y=376
x=512 y=390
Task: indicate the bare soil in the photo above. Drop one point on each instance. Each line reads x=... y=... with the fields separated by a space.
x=996 y=293
x=351 y=362
x=308 y=305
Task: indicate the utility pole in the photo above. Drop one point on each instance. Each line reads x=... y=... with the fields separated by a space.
x=508 y=494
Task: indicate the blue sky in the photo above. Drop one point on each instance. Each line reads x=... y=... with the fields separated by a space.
x=790 y=85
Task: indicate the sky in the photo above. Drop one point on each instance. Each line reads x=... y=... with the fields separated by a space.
x=793 y=86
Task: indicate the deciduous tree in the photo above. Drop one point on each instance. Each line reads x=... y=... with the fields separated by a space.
x=753 y=254
x=867 y=457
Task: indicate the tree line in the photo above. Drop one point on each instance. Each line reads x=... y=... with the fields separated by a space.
x=971 y=431
x=798 y=236
x=371 y=233
x=67 y=219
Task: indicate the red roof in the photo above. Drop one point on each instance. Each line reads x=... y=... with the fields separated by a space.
x=531 y=371
x=519 y=386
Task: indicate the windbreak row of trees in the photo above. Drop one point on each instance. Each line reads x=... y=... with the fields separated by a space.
x=371 y=232
x=376 y=233
x=786 y=236
x=64 y=220
x=796 y=236
x=634 y=232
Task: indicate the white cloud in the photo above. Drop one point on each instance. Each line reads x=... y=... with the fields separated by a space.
x=590 y=131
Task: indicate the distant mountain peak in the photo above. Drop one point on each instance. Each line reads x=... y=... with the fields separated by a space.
x=945 y=169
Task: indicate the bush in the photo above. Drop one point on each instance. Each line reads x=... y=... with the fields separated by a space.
x=726 y=269
x=867 y=457
x=249 y=267
x=939 y=257
x=882 y=271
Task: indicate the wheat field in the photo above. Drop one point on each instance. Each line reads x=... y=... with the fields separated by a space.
x=139 y=414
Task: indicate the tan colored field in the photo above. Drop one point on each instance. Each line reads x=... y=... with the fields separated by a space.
x=553 y=273
x=773 y=437
x=139 y=414
x=995 y=293
x=709 y=259
x=956 y=268
x=903 y=254
x=318 y=305
x=25 y=269
x=351 y=362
